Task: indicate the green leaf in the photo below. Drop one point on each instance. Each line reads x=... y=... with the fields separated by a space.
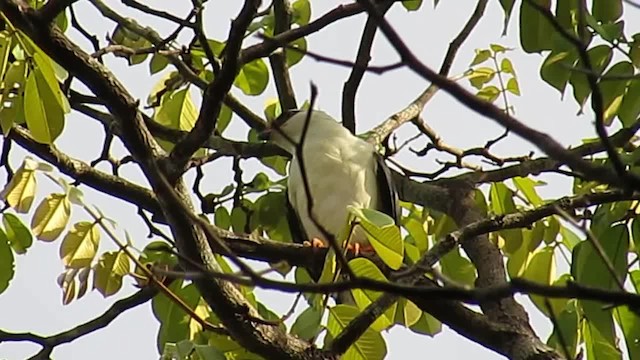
x=427 y=325
x=513 y=87
x=158 y=63
x=221 y=218
x=301 y=12
x=600 y=56
x=412 y=5
x=635 y=232
x=418 y=231
x=363 y=267
x=599 y=346
x=45 y=118
x=370 y=345
x=51 y=217
x=606 y=10
x=20 y=191
x=482 y=55
x=507 y=8
x=177 y=111
x=80 y=245
x=109 y=271
x=224 y=118
x=293 y=57
x=17 y=233
x=253 y=78
x=174 y=321
x=535 y=29
x=7 y=262
x=238 y=220
x=489 y=93
x=541 y=269
x=506 y=67
x=497 y=48
x=528 y=189
x=613 y=90
x=307 y=325
x=557 y=68
x=383 y=235
x=458 y=268
x=630 y=108
x=12 y=105
x=502 y=203
x=566 y=331
x=589 y=269
x=410 y=313
x=629 y=322
x=480 y=76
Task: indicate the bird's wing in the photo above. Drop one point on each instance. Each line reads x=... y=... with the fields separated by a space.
x=390 y=204
x=298 y=234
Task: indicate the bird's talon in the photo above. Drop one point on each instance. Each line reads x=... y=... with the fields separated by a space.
x=315 y=243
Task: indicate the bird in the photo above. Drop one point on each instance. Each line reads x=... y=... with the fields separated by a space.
x=341 y=170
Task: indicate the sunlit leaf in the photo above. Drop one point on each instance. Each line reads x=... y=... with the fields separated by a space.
x=20 y=191
x=253 y=78
x=370 y=345
x=109 y=271
x=51 y=217
x=80 y=245
x=383 y=235
x=541 y=270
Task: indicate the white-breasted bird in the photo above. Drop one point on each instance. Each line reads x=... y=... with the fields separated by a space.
x=341 y=170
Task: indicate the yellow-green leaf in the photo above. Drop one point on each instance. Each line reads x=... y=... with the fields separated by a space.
x=369 y=346
x=11 y=105
x=383 y=235
x=44 y=116
x=253 y=78
x=51 y=217
x=20 y=191
x=80 y=245
x=541 y=269
x=109 y=271
x=18 y=234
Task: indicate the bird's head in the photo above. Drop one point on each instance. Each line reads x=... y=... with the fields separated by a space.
x=286 y=130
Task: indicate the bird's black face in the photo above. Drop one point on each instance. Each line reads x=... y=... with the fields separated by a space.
x=276 y=124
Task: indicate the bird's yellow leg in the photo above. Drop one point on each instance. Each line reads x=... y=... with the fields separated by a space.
x=315 y=243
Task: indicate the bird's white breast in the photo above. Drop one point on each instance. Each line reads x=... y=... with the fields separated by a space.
x=340 y=171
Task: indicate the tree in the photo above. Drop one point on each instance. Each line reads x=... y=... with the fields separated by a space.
x=474 y=231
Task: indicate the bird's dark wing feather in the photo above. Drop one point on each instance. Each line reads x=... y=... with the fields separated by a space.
x=388 y=193
x=298 y=234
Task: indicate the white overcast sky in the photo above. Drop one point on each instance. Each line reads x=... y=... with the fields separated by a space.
x=33 y=301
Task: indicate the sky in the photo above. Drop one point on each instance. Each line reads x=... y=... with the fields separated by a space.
x=33 y=301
